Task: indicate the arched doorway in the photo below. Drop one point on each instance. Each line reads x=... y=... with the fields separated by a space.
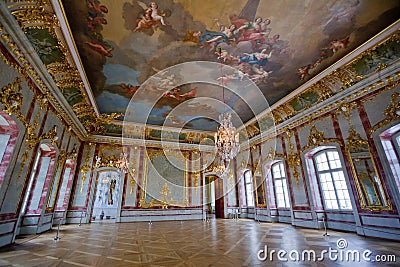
x=106 y=203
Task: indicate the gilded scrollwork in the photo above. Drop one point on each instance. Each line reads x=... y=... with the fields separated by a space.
x=34 y=12
x=392 y=113
x=293 y=158
x=11 y=98
x=96 y=125
x=317 y=138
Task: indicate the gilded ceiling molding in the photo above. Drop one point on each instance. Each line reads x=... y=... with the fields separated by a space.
x=97 y=125
x=30 y=13
x=337 y=82
x=333 y=104
x=33 y=16
x=33 y=79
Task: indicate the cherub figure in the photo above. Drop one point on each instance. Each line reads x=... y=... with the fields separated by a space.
x=144 y=23
x=152 y=17
x=155 y=15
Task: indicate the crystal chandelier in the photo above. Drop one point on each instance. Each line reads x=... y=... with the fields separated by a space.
x=220 y=169
x=226 y=138
x=122 y=163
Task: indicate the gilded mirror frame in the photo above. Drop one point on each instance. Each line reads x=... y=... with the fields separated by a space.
x=369 y=186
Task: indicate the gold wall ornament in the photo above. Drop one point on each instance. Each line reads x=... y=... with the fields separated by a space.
x=73 y=154
x=165 y=191
x=392 y=113
x=317 y=138
x=196 y=178
x=270 y=154
x=354 y=142
x=29 y=13
x=32 y=140
x=346 y=109
x=132 y=183
x=11 y=98
x=293 y=158
x=84 y=169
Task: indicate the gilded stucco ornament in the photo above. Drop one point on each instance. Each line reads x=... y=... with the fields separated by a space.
x=293 y=158
x=96 y=125
x=32 y=140
x=11 y=98
x=317 y=138
x=392 y=113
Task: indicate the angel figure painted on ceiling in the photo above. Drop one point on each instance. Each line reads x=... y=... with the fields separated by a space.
x=152 y=17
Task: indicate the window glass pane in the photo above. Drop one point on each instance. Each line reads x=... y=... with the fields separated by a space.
x=280 y=183
x=332 y=181
x=282 y=170
x=247 y=177
x=3 y=144
x=249 y=189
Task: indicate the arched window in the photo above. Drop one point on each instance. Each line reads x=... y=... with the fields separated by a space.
x=280 y=184
x=248 y=185
x=331 y=180
x=8 y=136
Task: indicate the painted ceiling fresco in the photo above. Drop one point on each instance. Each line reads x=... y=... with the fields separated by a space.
x=274 y=45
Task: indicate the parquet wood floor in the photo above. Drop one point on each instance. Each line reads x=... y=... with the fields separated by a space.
x=188 y=243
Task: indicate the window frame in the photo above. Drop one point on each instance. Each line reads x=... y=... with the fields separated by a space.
x=285 y=189
x=246 y=191
x=334 y=182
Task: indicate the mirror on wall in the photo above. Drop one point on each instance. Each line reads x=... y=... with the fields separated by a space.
x=53 y=187
x=260 y=191
x=367 y=180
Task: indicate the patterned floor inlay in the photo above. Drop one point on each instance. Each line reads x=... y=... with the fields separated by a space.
x=197 y=243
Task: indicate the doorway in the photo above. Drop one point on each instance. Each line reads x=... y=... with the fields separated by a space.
x=214 y=196
x=106 y=202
